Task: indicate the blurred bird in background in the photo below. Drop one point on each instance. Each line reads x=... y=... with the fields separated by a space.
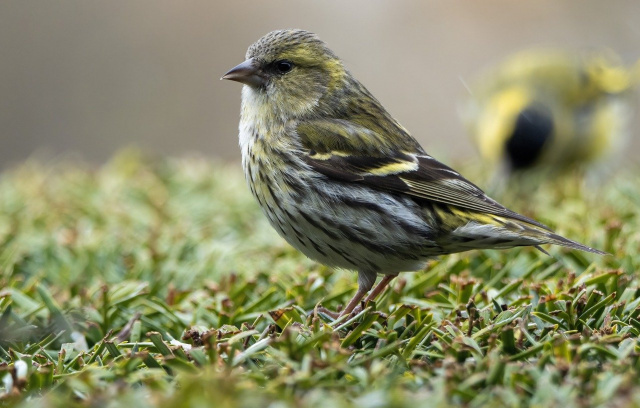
x=551 y=110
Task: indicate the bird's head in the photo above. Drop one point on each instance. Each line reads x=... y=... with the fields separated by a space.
x=607 y=74
x=288 y=70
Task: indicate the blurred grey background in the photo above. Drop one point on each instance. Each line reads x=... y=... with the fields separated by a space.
x=89 y=77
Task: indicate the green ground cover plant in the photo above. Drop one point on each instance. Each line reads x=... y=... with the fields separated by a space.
x=159 y=283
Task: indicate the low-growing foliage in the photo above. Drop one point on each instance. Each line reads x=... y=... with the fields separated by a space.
x=159 y=283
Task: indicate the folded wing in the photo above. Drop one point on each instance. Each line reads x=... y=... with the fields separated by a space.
x=345 y=151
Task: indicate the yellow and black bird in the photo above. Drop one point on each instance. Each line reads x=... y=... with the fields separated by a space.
x=343 y=182
x=551 y=109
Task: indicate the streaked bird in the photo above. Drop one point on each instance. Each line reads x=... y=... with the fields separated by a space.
x=551 y=109
x=344 y=182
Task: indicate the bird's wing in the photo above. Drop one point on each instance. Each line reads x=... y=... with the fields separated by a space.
x=345 y=151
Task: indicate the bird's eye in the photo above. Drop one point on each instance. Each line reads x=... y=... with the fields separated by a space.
x=284 y=66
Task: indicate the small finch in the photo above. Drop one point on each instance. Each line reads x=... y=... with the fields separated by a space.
x=344 y=183
x=551 y=110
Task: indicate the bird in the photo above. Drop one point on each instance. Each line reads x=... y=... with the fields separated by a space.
x=551 y=110
x=345 y=183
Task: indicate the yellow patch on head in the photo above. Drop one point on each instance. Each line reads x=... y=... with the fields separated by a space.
x=336 y=72
x=301 y=54
x=311 y=55
x=609 y=75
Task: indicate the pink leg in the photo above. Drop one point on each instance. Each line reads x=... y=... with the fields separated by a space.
x=379 y=288
x=363 y=287
x=355 y=300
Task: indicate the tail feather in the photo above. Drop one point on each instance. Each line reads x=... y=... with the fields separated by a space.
x=488 y=231
x=565 y=242
x=544 y=235
x=541 y=249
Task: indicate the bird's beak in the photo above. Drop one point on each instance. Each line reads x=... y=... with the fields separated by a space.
x=248 y=73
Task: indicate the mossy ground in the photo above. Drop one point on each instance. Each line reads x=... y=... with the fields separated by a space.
x=159 y=283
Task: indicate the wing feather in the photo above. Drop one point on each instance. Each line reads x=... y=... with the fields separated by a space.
x=413 y=173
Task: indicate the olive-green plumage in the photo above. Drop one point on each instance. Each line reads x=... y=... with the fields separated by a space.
x=344 y=182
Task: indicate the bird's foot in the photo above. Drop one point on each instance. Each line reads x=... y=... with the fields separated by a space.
x=338 y=314
x=323 y=310
x=360 y=308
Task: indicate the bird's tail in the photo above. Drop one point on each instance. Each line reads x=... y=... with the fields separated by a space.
x=565 y=242
x=534 y=233
x=544 y=235
x=491 y=231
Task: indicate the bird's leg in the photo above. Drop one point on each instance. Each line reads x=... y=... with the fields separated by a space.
x=362 y=290
x=355 y=300
x=324 y=310
x=380 y=287
x=365 y=283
